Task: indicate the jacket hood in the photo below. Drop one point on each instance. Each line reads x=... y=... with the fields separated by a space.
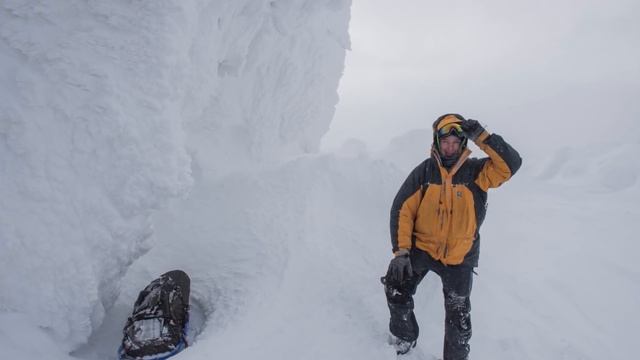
x=446 y=119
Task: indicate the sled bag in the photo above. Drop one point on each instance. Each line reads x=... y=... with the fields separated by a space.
x=157 y=327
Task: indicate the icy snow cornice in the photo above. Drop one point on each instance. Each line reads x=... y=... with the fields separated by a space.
x=271 y=91
x=101 y=104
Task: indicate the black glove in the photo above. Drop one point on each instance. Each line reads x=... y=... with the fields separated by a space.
x=472 y=129
x=400 y=266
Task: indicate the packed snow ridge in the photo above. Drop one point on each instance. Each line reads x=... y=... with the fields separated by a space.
x=110 y=109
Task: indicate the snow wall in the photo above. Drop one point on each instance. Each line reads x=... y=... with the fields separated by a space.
x=110 y=109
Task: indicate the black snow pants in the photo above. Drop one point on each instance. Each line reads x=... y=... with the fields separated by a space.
x=456 y=286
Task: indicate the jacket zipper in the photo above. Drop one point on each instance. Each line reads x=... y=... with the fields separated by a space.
x=445 y=183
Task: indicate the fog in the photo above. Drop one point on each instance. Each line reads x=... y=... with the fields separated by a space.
x=545 y=74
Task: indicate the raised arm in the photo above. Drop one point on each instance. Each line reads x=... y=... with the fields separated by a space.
x=503 y=162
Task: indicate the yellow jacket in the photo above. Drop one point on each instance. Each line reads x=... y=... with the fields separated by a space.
x=440 y=211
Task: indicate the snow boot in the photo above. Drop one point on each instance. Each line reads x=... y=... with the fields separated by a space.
x=402 y=346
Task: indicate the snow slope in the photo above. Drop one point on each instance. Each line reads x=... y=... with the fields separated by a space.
x=286 y=263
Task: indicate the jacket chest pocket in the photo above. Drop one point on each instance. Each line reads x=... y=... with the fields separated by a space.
x=428 y=218
x=463 y=215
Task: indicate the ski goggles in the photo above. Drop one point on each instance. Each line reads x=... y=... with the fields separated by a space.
x=451 y=129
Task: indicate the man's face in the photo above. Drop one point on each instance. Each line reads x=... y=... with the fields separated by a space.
x=450 y=146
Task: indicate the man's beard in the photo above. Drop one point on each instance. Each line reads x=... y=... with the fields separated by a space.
x=449 y=161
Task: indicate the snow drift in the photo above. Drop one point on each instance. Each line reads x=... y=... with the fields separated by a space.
x=286 y=261
x=109 y=109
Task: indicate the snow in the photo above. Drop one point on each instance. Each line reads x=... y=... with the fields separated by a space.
x=91 y=145
x=108 y=110
x=138 y=138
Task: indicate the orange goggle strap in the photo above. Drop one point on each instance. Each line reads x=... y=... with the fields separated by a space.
x=446 y=119
x=450 y=128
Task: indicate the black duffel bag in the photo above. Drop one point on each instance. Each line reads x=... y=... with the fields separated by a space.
x=157 y=326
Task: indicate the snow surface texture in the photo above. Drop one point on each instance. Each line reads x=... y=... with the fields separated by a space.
x=285 y=249
x=286 y=263
x=109 y=109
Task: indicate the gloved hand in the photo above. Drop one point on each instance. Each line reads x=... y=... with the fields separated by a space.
x=400 y=266
x=472 y=128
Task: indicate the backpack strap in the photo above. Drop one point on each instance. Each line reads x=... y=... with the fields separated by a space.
x=426 y=181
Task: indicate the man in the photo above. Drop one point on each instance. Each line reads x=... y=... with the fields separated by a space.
x=435 y=222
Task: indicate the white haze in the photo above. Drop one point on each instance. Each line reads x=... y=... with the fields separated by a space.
x=546 y=73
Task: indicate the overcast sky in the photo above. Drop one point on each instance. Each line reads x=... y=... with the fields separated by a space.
x=538 y=72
